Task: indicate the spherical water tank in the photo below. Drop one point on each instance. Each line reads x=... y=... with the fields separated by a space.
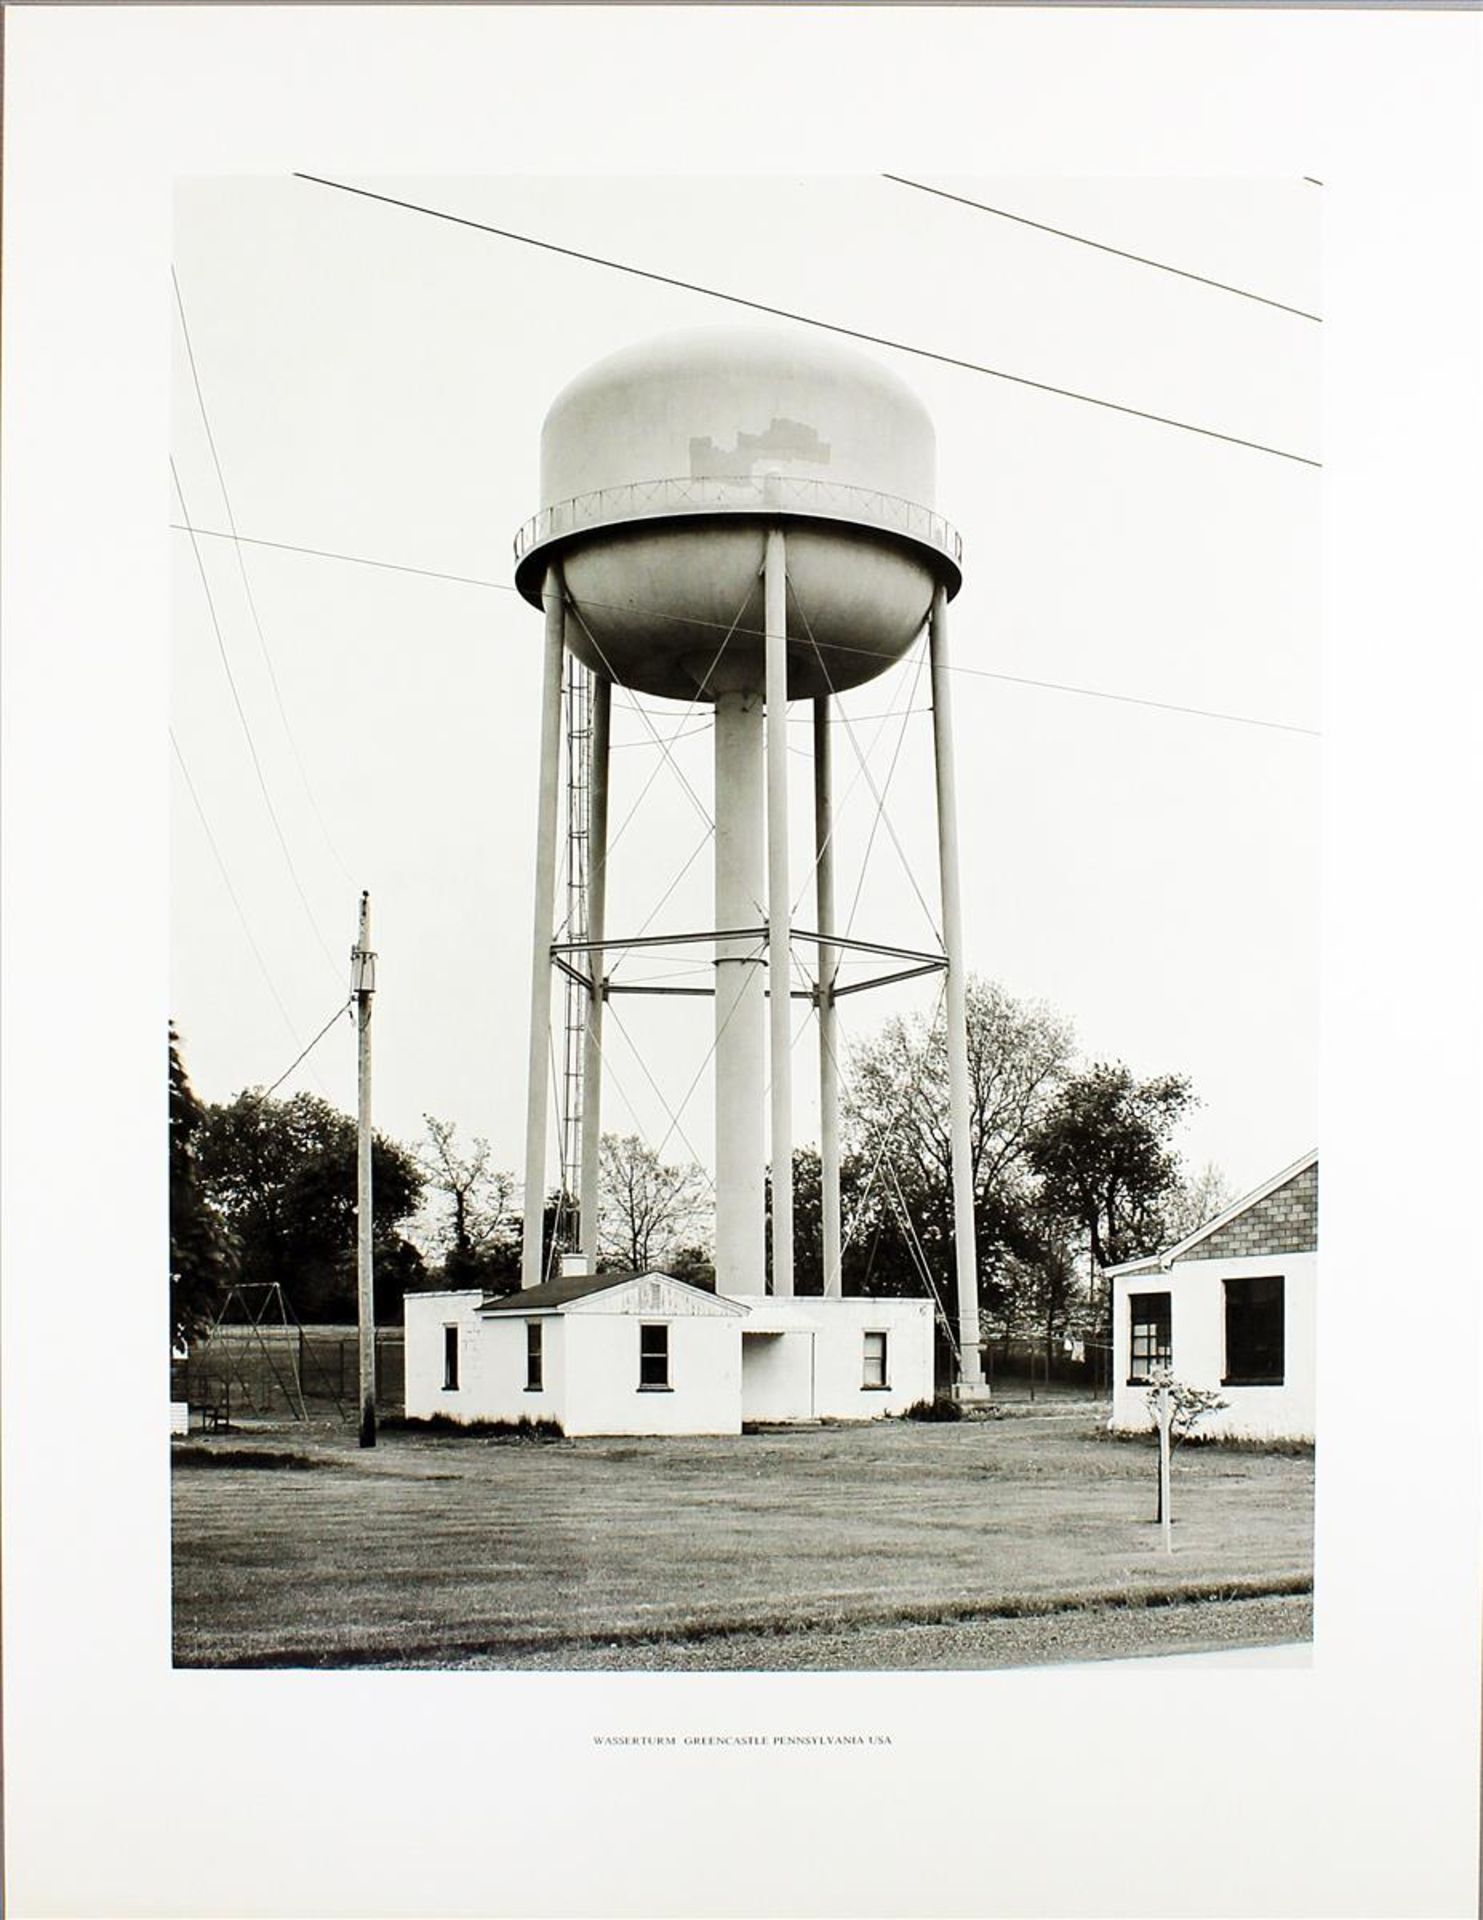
x=663 y=467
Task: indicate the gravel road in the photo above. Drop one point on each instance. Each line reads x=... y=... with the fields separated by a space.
x=1112 y=1633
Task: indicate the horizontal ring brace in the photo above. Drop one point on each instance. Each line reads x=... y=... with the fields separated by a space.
x=657 y=940
x=841 y=940
x=684 y=993
x=888 y=979
x=706 y=993
x=609 y=987
x=869 y=946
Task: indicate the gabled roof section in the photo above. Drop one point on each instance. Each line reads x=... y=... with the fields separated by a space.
x=551 y=1293
x=1153 y=1262
x=573 y=1291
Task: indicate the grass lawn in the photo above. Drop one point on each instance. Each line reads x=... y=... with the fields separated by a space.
x=431 y=1545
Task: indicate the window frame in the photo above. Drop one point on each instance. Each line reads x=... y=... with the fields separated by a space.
x=450 y=1356
x=883 y=1385
x=1248 y=1376
x=654 y=1351
x=535 y=1356
x=1158 y=1355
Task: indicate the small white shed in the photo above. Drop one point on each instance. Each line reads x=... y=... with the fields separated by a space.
x=811 y=1358
x=648 y=1354
x=1231 y=1308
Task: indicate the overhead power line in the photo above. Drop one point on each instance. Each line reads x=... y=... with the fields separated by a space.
x=257 y=952
x=976 y=673
x=226 y=499
x=809 y=320
x=344 y=1006
x=257 y=765
x=1101 y=246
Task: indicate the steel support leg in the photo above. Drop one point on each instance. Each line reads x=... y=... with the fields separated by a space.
x=964 y=1234
x=779 y=912
x=741 y=1145
x=830 y=1248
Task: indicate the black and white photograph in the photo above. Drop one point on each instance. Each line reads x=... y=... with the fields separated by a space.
x=780 y=860
x=730 y=735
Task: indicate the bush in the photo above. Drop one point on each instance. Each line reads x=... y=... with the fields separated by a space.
x=1289 y=1449
x=941 y=1407
x=522 y=1429
x=259 y=1458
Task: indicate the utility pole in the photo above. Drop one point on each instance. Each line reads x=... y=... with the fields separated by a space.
x=363 y=972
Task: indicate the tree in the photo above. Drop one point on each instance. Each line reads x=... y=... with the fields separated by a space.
x=1019 y=1052
x=693 y=1265
x=649 y=1210
x=876 y=1251
x=201 y=1257
x=808 y=1221
x=900 y=1143
x=1186 y=1407
x=282 y=1173
x=1035 y=1289
x=1103 y=1156
x=1196 y=1201
x=477 y=1235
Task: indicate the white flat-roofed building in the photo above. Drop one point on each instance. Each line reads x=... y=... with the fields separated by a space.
x=648 y=1354
x=1231 y=1308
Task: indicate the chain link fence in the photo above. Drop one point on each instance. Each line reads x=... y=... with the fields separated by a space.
x=259 y=1373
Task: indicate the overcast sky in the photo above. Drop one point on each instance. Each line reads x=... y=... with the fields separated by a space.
x=375 y=382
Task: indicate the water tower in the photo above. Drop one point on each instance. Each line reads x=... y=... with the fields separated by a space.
x=743 y=519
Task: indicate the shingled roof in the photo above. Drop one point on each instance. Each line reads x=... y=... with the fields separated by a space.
x=1163 y=1260
x=552 y=1293
x=574 y=1286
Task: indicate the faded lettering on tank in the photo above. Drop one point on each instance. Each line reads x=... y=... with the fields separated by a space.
x=784 y=440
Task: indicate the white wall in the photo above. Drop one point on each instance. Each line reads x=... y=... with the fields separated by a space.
x=778 y=1375
x=602 y=1374
x=839 y=1356
x=491 y=1362
x=1197 y=1329
x=592 y=1363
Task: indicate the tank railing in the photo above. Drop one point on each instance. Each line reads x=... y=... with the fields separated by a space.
x=797 y=493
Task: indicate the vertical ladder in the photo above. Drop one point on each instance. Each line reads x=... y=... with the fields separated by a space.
x=578 y=692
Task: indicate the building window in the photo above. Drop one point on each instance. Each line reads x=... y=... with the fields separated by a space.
x=1151 y=1344
x=533 y=1356
x=450 y=1359
x=875 y=1361
x=653 y=1358
x=1254 y=1332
